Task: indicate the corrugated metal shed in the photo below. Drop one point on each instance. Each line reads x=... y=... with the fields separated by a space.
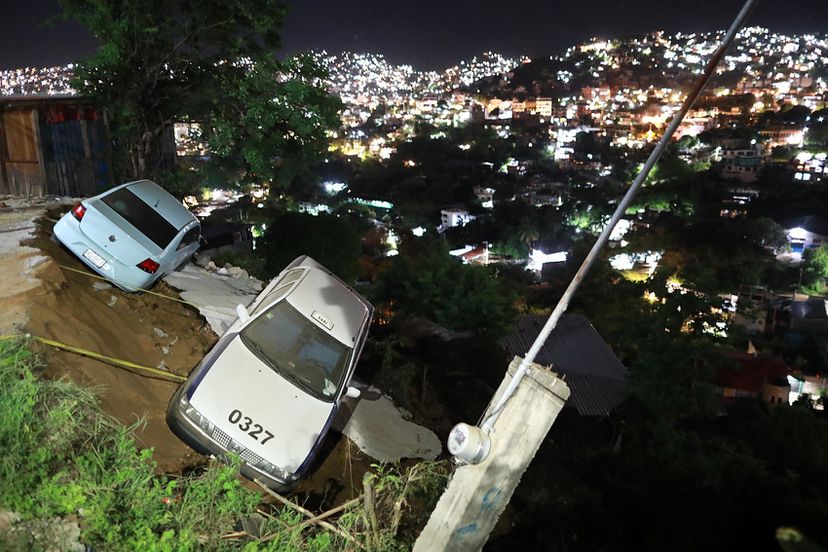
x=577 y=352
x=52 y=145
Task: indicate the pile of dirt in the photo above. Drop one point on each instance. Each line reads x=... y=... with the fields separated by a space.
x=76 y=308
x=82 y=311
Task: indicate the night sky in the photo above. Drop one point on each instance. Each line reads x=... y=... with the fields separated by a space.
x=433 y=34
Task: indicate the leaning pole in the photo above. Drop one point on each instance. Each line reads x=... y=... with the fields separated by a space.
x=495 y=455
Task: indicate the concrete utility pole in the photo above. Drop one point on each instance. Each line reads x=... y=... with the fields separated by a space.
x=522 y=414
x=477 y=494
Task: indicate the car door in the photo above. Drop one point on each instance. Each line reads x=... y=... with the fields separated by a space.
x=186 y=246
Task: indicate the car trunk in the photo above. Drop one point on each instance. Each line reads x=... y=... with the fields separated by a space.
x=116 y=236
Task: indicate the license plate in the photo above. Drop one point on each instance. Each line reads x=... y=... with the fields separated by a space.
x=94 y=258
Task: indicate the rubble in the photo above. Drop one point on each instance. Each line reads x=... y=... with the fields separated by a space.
x=215 y=295
x=379 y=428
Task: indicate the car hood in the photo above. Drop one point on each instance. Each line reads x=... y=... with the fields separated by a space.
x=238 y=380
x=116 y=236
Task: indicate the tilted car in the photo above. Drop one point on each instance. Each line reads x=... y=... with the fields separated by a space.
x=132 y=234
x=270 y=387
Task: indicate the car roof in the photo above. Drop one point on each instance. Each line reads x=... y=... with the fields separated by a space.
x=161 y=200
x=321 y=292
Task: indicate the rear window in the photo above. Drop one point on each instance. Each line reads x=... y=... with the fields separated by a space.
x=142 y=216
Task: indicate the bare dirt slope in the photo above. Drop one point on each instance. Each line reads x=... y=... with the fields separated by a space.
x=19 y=264
x=82 y=311
x=86 y=312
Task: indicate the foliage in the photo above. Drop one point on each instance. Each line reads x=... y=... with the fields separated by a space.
x=818 y=128
x=161 y=62
x=396 y=374
x=64 y=459
x=266 y=121
x=252 y=263
x=424 y=280
x=815 y=270
x=713 y=254
x=415 y=490
x=330 y=240
x=667 y=461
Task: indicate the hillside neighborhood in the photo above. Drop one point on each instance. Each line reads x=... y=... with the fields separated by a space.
x=458 y=205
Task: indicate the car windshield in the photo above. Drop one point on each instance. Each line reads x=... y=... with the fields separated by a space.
x=298 y=349
x=143 y=217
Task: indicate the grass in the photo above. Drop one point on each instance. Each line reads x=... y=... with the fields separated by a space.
x=64 y=459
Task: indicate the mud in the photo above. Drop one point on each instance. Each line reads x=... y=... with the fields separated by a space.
x=24 y=262
x=85 y=312
x=80 y=310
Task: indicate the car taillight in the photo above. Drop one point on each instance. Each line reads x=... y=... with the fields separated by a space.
x=78 y=211
x=148 y=265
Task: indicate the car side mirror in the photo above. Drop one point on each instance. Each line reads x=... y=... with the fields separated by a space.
x=352 y=392
x=241 y=312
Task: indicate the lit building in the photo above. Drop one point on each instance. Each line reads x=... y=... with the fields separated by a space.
x=485 y=196
x=451 y=218
x=742 y=163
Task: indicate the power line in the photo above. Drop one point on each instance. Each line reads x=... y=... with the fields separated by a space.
x=563 y=303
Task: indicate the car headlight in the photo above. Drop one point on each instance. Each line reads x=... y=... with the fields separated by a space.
x=196 y=416
x=275 y=471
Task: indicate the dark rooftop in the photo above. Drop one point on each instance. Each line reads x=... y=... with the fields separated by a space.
x=752 y=372
x=815 y=308
x=576 y=352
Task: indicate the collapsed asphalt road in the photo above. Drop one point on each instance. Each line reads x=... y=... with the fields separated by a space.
x=74 y=308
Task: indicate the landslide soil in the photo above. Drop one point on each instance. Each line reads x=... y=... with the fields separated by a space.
x=82 y=311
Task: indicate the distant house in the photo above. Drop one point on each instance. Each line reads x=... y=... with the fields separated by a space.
x=742 y=163
x=577 y=353
x=541 y=199
x=755 y=377
x=450 y=218
x=472 y=254
x=782 y=135
x=485 y=196
x=806 y=233
x=809 y=167
x=751 y=313
x=813 y=385
x=735 y=200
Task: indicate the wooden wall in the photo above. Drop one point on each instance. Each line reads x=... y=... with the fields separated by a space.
x=53 y=148
x=23 y=172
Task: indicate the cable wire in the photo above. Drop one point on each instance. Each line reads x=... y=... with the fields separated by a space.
x=98 y=356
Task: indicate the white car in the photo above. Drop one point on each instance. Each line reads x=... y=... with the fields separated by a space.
x=132 y=234
x=270 y=387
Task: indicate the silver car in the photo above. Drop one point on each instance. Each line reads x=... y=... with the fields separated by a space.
x=132 y=234
x=271 y=386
